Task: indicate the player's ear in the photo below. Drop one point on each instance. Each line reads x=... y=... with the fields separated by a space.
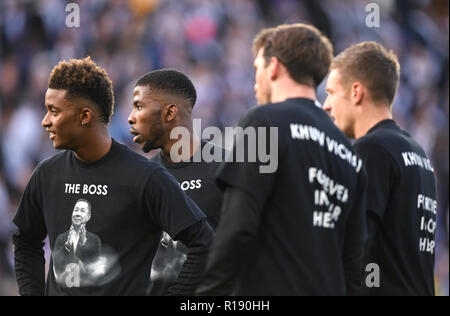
x=86 y=116
x=274 y=68
x=357 y=92
x=170 y=112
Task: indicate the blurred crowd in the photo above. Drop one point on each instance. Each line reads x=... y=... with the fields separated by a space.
x=209 y=40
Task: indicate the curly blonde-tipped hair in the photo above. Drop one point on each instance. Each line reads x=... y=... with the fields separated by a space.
x=82 y=78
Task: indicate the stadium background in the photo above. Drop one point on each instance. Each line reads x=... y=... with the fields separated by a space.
x=209 y=40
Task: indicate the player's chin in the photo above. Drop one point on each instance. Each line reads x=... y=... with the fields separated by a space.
x=336 y=122
x=260 y=99
x=348 y=131
x=147 y=146
x=57 y=145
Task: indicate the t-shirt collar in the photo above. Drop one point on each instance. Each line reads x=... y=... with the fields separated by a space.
x=383 y=123
x=101 y=161
x=175 y=165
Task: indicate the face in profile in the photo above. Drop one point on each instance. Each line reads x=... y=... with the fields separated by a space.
x=62 y=120
x=146 y=118
x=262 y=86
x=338 y=103
x=81 y=213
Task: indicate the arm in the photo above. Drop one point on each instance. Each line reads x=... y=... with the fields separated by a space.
x=381 y=171
x=373 y=226
x=355 y=236
x=239 y=224
x=246 y=190
x=180 y=217
x=198 y=239
x=28 y=240
x=29 y=265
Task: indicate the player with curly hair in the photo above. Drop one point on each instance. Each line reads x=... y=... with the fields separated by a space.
x=134 y=200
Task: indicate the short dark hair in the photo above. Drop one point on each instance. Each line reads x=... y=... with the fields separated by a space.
x=172 y=82
x=301 y=48
x=372 y=64
x=82 y=78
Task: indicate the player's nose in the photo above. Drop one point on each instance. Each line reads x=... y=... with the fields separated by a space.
x=131 y=118
x=327 y=106
x=46 y=121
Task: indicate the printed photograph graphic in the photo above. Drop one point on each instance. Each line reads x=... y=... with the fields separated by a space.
x=167 y=264
x=79 y=260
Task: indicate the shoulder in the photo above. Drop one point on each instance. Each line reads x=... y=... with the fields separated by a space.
x=126 y=152
x=156 y=158
x=213 y=147
x=258 y=115
x=92 y=237
x=62 y=237
x=371 y=143
x=51 y=163
x=377 y=148
x=52 y=160
x=388 y=140
x=372 y=139
x=131 y=159
x=158 y=175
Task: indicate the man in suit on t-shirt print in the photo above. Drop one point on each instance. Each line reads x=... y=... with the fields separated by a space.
x=77 y=245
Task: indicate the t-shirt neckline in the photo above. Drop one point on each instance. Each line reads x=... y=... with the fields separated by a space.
x=101 y=161
x=175 y=165
x=386 y=122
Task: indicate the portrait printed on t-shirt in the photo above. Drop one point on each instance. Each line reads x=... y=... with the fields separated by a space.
x=79 y=260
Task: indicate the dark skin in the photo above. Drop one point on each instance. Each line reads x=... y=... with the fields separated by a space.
x=154 y=115
x=75 y=124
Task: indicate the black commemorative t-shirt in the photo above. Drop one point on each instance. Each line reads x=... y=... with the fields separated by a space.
x=123 y=202
x=402 y=200
x=313 y=205
x=196 y=179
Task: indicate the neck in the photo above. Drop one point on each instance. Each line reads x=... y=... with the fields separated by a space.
x=286 y=88
x=188 y=148
x=369 y=117
x=95 y=146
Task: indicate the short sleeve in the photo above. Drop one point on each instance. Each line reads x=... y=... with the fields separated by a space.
x=247 y=165
x=29 y=217
x=168 y=206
